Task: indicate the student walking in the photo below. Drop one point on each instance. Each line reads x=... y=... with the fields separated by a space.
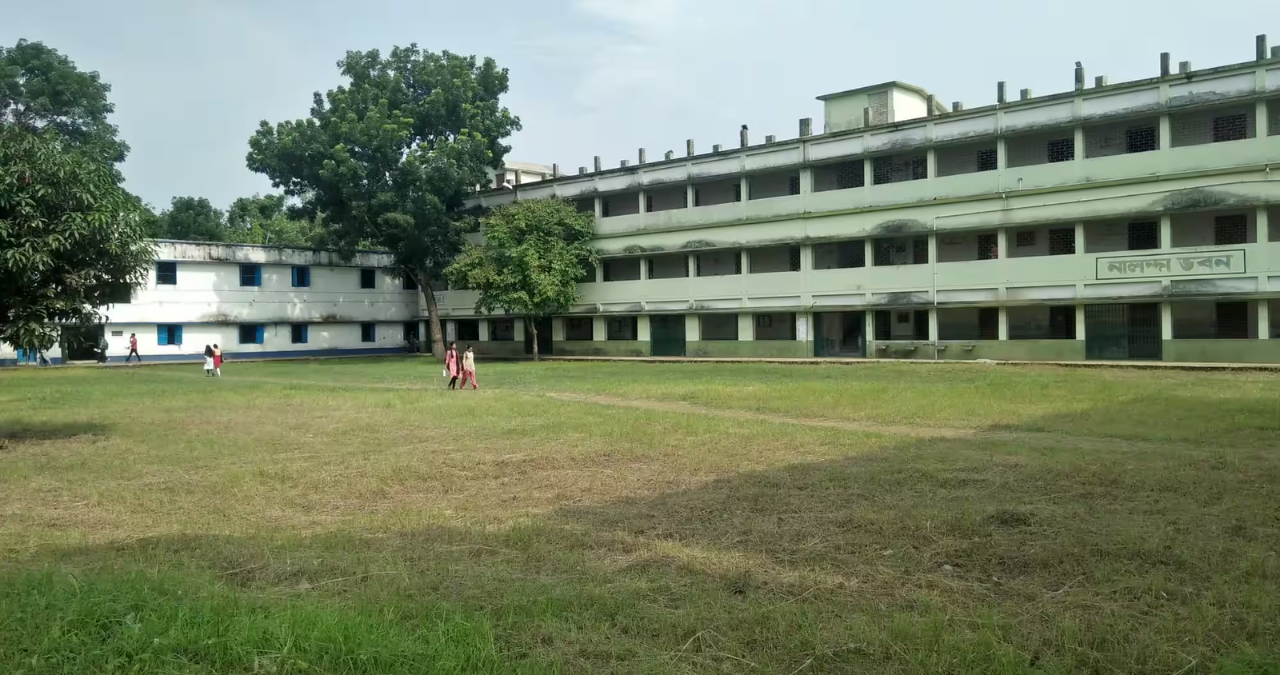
x=133 y=348
x=217 y=360
x=469 y=369
x=452 y=364
x=208 y=361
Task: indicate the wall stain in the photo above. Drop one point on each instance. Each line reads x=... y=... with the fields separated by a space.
x=900 y=226
x=1198 y=199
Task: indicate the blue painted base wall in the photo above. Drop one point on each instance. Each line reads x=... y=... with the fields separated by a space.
x=231 y=357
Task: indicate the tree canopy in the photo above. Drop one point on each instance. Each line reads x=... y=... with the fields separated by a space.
x=72 y=240
x=260 y=219
x=41 y=89
x=389 y=159
x=534 y=253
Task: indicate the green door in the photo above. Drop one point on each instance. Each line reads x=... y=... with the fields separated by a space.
x=1122 y=332
x=666 y=335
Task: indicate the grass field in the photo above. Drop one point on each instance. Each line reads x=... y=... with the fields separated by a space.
x=354 y=517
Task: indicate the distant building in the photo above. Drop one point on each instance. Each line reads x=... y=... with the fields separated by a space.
x=520 y=173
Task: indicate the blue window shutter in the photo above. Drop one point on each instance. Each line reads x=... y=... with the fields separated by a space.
x=162 y=335
x=304 y=334
x=295 y=277
x=257 y=275
x=177 y=333
x=261 y=330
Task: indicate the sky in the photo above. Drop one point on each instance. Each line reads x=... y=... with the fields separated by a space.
x=191 y=79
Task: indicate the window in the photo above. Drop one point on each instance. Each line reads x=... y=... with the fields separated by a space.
x=718 y=263
x=502 y=330
x=920 y=324
x=840 y=176
x=468 y=330
x=648 y=203
x=902 y=251
x=117 y=333
x=588 y=273
x=988 y=249
x=778 y=259
x=1038 y=322
x=368 y=279
x=989 y=323
x=297 y=333
x=719 y=326
x=622 y=328
x=411 y=331
x=737 y=192
x=120 y=294
x=407 y=283
x=1062 y=241
x=840 y=255
x=899 y=168
x=793 y=185
x=1061 y=150
x=368 y=332
x=668 y=266
x=1231 y=128
x=166 y=274
x=251 y=333
x=579 y=328
x=1144 y=236
x=882 y=325
x=168 y=334
x=986 y=159
x=1231 y=229
x=624 y=269
x=1024 y=239
x=1231 y=320
x=1140 y=139
x=250 y=275
x=920 y=250
x=780 y=326
x=301 y=277
x=604 y=208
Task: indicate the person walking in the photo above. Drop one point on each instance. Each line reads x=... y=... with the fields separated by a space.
x=102 y=349
x=452 y=364
x=217 y=360
x=469 y=369
x=208 y=361
x=133 y=348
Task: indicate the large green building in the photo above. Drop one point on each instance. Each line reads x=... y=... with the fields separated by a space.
x=1138 y=220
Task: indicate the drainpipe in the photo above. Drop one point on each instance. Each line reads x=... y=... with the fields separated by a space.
x=933 y=261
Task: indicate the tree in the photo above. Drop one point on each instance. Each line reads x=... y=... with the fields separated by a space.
x=266 y=220
x=42 y=89
x=535 y=252
x=71 y=239
x=390 y=158
x=190 y=219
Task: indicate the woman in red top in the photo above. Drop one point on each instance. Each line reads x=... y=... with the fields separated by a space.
x=452 y=364
x=217 y=360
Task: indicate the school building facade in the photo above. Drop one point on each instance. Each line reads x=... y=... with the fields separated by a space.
x=1138 y=220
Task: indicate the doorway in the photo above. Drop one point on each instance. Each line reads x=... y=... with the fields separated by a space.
x=666 y=332
x=544 y=337
x=840 y=334
x=80 y=343
x=1122 y=332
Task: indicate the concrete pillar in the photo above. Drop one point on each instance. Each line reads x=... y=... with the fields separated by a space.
x=689 y=195
x=746 y=327
x=692 y=328
x=933 y=325
x=670 y=155
x=600 y=273
x=693 y=265
x=1078 y=141
x=1080 y=238
x=746 y=261
x=1002 y=243
x=806 y=127
x=1260 y=119
x=1002 y=154
x=806 y=181
x=1166 y=321
x=484 y=330
x=869 y=252
x=868 y=175
x=933 y=248
x=1079 y=77
x=597 y=163
x=745 y=189
x=519 y=332
x=1261 y=47
x=931 y=163
x=642 y=328
x=1264 y=319
x=599 y=207
x=1004 y=324
x=688 y=148
x=450 y=331
x=1165 y=60
x=806 y=257
x=1000 y=92
x=557 y=329
x=743 y=138
x=644 y=269
x=640 y=157
x=804 y=328
x=1165 y=133
x=599 y=329
x=869 y=329
x=1166 y=231
x=1024 y=95
x=1262 y=223
x=1080 y=322
x=640 y=198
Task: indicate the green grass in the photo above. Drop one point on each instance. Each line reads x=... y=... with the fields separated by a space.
x=353 y=517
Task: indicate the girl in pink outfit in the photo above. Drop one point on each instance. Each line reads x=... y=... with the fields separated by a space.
x=452 y=364
x=469 y=369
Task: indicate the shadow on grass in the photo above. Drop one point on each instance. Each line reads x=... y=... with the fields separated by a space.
x=22 y=432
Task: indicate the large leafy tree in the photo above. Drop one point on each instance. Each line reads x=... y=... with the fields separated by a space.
x=389 y=158
x=533 y=255
x=71 y=238
x=267 y=220
x=190 y=219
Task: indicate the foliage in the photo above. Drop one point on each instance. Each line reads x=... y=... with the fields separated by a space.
x=71 y=239
x=261 y=219
x=535 y=252
x=190 y=219
x=42 y=89
x=389 y=158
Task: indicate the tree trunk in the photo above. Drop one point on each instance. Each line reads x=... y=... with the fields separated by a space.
x=532 y=327
x=433 y=317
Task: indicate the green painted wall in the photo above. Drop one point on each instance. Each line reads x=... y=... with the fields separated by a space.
x=749 y=349
x=1014 y=350
x=600 y=348
x=1222 y=351
x=900 y=350
x=506 y=349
